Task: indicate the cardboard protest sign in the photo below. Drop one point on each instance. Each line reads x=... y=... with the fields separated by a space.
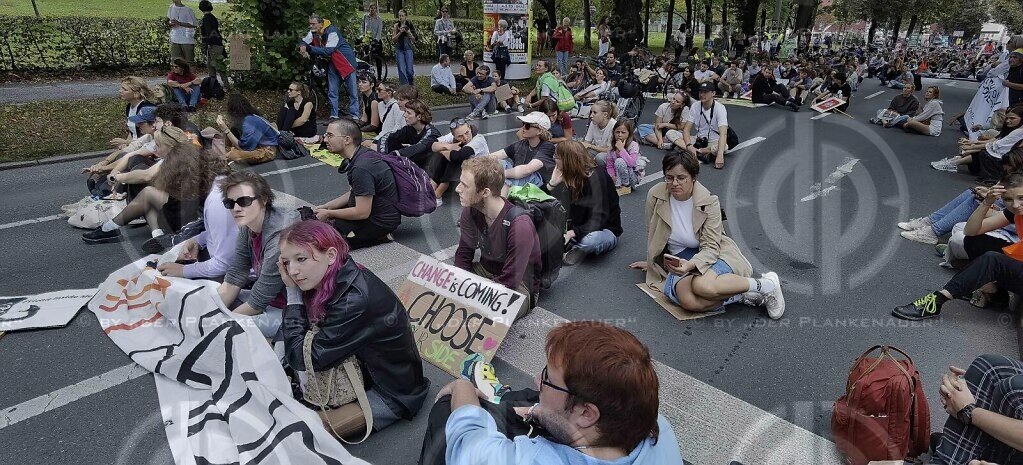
x=239 y=53
x=676 y=311
x=44 y=310
x=455 y=313
x=828 y=104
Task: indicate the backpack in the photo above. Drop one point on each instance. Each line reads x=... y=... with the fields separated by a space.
x=415 y=192
x=288 y=148
x=93 y=214
x=210 y=88
x=563 y=97
x=884 y=414
x=549 y=220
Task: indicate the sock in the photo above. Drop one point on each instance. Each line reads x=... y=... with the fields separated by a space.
x=939 y=300
x=157 y=233
x=733 y=299
x=110 y=226
x=762 y=286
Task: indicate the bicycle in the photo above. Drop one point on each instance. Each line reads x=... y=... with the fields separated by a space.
x=371 y=52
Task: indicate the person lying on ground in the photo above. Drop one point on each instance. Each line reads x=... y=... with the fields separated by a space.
x=561 y=122
x=251 y=201
x=669 y=120
x=529 y=160
x=928 y=121
x=249 y=135
x=209 y=254
x=461 y=144
x=184 y=84
x=905 y=103
x=353 y=314
x=587 y=410
x=594 y=216
x=689 y=258
x=367 y=213
x=1001 y=266
x=298 y=114
x=504 y=234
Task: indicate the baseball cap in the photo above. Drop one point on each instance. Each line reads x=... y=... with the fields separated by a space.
x=707 y=87
x=537 y=118
x=1018 y=51
x=146 y=114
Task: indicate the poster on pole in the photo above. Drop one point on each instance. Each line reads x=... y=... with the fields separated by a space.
x=455 y=313
x=47 y=310
x=516 y=13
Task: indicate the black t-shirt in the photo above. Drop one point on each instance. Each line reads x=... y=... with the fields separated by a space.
x=288 y=114
x=1016 y=77
x=210 y=31
x=520 y=153
x=1009 y=216
x=846 y=91
x=481 y=84
x=373 y=177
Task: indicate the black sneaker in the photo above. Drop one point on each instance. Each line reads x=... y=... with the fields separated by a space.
x=99 y=236
x=574 y=256
x=921 y=309
x=158 y=244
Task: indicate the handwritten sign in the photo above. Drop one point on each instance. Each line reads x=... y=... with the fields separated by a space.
x=828 y=104
x=455 y=313
x=239 y=53
x=43 y=310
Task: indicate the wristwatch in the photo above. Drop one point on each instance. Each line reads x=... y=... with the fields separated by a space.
x=966 y=414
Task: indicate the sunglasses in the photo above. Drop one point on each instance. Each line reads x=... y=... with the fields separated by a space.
x=243 y=202
x=456 y=123
x=528 y=125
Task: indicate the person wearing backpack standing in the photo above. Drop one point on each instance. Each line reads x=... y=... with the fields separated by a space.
x=503 y=233
x=368 y=212
x=182 y=33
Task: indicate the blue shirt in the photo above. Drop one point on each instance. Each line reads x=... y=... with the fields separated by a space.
x=473 y=439
x=256 y=132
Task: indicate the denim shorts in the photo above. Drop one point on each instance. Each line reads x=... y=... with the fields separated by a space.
x=719 y=267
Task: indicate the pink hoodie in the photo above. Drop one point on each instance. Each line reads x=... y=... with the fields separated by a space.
x=630 y=155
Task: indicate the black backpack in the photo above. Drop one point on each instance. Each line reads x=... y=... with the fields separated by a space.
x=210 y=88
x=550 y=220
x=288 y=148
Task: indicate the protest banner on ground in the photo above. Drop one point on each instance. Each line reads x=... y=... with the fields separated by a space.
x=828 y=104
x=455 y=313
x=47 y=310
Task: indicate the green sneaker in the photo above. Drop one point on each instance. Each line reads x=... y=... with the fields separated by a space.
x=940 y=249
x=921 y=309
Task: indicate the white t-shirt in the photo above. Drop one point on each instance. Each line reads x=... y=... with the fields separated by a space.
x=178 y=34
x=392 y=120
x=682 y=234
x=701 y=75
x=707 y=122
x=665 y=113
x=478 y=143
x=600 y=137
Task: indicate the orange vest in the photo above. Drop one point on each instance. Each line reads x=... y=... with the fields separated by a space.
x=1015 y=250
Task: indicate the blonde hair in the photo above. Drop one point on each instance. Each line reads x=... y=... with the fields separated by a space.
x=606 y=107
x=142 y=89
x=170 y=136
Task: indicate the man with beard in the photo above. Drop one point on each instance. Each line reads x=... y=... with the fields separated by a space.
x=597 y=404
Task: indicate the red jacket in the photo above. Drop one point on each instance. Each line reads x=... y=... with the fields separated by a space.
x=563 y=36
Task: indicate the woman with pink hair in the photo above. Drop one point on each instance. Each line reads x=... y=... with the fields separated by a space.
x=357 y=314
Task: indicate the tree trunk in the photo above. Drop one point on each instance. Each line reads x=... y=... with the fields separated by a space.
x=912 y=26
x=897 y=24
x=626 y=26
x=35 y=7
x=646 y=27
x=763 y=20
x=451 y=9
x=671 y=23
x=587 y=25
x=725 y=36
x=871 y=31
x=708 y=18
x=395 y=6
x=690 y=30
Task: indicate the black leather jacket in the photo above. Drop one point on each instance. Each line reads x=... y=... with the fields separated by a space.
x=365 y=319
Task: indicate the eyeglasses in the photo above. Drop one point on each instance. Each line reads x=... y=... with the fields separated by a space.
x=456 y=123
x=545 y=380
x=243 y=201
x=679 y=179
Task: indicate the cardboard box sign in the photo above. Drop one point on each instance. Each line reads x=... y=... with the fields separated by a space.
x=240 y=53
x=455 y=313
x=42 y=311
x=828 y=104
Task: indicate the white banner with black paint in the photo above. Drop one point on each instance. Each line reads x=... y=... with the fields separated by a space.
x=223 y=394
x=47 y=310
x=991 y=96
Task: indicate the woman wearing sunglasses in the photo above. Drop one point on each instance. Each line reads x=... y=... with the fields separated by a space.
x=250 y=199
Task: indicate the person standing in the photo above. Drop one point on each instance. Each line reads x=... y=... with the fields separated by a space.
x=1014 y=80
x=563 y=45
x=212 y=41
x=404 y=36
x=604 y=36
x=182 y=34
x=499 y=52
x=373 y=30
x=443 y=27
x=326 y=41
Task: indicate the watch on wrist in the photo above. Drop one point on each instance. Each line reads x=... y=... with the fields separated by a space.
x=966 y=414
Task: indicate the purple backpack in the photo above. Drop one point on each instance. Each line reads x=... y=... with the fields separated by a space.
x=415 y=192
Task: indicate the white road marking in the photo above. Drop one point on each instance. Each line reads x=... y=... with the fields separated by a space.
x=821 y=116
x=66 y=395
x=875 y=94
x=841 y=171
x=746 y=143
x=41 y=219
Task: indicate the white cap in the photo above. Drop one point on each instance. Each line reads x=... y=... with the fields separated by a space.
x=537 y=118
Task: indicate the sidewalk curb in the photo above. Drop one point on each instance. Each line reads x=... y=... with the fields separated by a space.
x=52 y=160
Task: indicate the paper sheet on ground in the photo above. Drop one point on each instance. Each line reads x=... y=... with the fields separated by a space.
x=47 y=310
x=223 y=395
x=325 y=156
x=675 y=311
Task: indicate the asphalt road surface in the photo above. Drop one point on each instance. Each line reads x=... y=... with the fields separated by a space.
x=735 y=386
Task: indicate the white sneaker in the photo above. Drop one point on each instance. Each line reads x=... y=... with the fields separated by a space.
x=915 y=223
x=521 y=108
x=753 y=299
x=137 y=222
x=666 y=146
x=923 y=235
x=774 y=301
x=945 y=164
x=484 y=115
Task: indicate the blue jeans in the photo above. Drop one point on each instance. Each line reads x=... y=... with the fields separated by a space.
x=625 y=175
x=188 y=100
x=896 y=84
x=406 y=70
x=562 y=62
x=352 y=84
x=334 y=91
x=956 y=211
x=485 y=103
x=598 y=242
x=534 y=179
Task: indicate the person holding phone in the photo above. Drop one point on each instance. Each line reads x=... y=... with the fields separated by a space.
x=689 y=258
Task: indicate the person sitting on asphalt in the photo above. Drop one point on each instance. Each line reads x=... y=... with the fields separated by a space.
x=669 y=120
x=704 y=74
x=928 y=121
x=594 y=216
x=984 y=404
x=480 y=90
x=251 y=201
x=710 y=120
x=592 y=93
x=689 y=258
x=461 y=144
x=731 y=81
x=613 y=67
x=467 y=69
x=402 y=96
x=600 y=130
x=184 y=84
x=624 y=163
x=905 y=103
x=530 y=160
x=581 y=76
x=298 y=114
x=1003 y=266
x=249 y=135
x=136 y=94
x=134 y=172
x=209 y=254
x=357 y=315
x=369 y=111
x=415 y=139
x=509 y=246
x=799 y=86
x=839 y=88
x=367 y=213
x=513 y=102
x=99 y=172
x=176 y=195
x=984 y=159
x=442 y=79
x=593 y=411
x=766 y=90
x=561 y=122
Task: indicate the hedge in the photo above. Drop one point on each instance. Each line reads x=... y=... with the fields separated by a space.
x=70 y=43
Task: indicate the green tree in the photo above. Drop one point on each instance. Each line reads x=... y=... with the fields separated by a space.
x=1009 y=13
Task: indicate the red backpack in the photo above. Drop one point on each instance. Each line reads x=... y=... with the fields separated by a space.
x=883 y=414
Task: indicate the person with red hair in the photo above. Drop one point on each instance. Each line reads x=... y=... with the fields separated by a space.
x=357 y=315
x=597 y=403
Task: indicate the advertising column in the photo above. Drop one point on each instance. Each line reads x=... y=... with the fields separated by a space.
x=516 y=14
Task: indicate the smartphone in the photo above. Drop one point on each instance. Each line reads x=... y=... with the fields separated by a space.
x=672 y=260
